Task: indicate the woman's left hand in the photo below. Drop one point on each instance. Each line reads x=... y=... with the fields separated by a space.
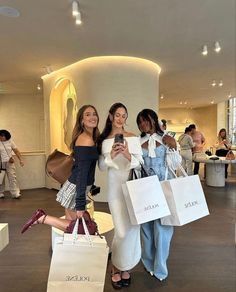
x=125 y=150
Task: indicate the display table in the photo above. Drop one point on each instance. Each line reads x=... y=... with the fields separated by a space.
x=105 y=227
x=4 y=235
x=215 y=170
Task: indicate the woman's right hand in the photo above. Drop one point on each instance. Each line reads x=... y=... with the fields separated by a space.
x=116 y=149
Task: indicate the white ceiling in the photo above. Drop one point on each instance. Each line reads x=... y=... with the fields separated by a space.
x=168 y=32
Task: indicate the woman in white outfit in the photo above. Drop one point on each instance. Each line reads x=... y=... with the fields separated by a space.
x=118 y=158
x=186 y=145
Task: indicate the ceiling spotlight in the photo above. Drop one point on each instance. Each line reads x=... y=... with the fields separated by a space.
x=220 y=83
x=75 y=8
x=39 y=87
x=204 y=50
x=78 y=20
x=213 y=83
x=212 y=102
x=162 y=96
x=9 y=11
x=181 y=102
x=185 y=102
x=217 y=47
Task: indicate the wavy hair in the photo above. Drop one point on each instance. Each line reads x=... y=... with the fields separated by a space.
x=79 y=128
x=150 y=116
x=108 y=125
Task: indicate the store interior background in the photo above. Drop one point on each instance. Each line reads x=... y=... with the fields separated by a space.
x=37 y=119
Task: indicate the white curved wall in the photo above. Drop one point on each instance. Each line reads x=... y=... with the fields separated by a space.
x=101 y=81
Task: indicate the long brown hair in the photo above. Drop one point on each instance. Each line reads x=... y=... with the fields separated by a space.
x=79 y=128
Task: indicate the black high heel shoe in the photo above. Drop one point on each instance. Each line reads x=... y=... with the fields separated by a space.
x=126 y=282
x=116 y=284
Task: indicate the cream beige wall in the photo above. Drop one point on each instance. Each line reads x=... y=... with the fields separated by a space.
x=23 y=116
x=205 y=119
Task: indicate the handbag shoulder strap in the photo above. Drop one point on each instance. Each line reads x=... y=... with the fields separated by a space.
x=6 y=150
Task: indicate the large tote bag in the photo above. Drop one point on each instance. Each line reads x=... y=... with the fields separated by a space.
x=144 y=198
x=2 y=175
x=185 y=198
x=78 y=263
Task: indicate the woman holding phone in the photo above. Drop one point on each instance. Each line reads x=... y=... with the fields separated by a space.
x=120 y=151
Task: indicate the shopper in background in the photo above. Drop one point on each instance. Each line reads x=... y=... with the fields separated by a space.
x=72 y=195
x=164 y=124
x=7 y=146
x=118 y=157
x=186 y=145
x=199 y=140
x=223 y=146
x=156 y=238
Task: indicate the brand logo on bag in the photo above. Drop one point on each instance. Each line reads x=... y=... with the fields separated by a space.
x=149 y=207
x=78 y=278
x=191 y=204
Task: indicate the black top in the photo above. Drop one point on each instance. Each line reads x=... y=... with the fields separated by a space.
x=83 y=172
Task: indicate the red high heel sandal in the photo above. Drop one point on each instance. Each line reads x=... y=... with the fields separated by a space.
x=37 y=214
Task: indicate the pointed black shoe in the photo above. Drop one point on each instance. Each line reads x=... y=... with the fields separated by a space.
x=126 y=282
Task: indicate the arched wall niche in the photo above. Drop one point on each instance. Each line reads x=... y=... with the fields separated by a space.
x=62 y=108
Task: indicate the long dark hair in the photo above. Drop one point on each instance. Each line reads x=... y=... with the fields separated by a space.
x=150 y=116
x=79 y=128
x=108 y=125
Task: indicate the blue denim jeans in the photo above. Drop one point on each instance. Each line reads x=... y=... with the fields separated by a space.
x=156 y=240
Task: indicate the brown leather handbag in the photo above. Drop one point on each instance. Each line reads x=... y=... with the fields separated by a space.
x=59 y=166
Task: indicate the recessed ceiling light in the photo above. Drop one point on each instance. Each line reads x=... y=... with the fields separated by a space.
x=180 y=102
x=162 y=96
x=212 y=101
x=9 y=11
x=39 y=87
x=220 y=83
x=204 y=50
x=217 y=47
x=213 y=83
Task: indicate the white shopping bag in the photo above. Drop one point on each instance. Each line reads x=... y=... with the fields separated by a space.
x=78 y=263
x=185 y=198
x=2 y=175
x=145 y=199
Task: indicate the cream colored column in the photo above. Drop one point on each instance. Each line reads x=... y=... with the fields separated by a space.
x=102 y=81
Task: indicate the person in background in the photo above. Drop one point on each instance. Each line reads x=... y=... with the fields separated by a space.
x=118 y=158
x=186 y=145
x=223 y=146
x=7 y=146
x=199 y=140
x=164 y=124
x=72 y=195
x=156 y=238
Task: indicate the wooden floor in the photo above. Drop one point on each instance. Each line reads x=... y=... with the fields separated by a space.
x=202 y=257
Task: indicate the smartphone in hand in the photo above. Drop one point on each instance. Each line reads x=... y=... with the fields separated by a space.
x=119 y=138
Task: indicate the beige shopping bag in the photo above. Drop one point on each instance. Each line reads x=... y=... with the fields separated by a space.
x=78 y=264
x=145 y=199
x=185 y=198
